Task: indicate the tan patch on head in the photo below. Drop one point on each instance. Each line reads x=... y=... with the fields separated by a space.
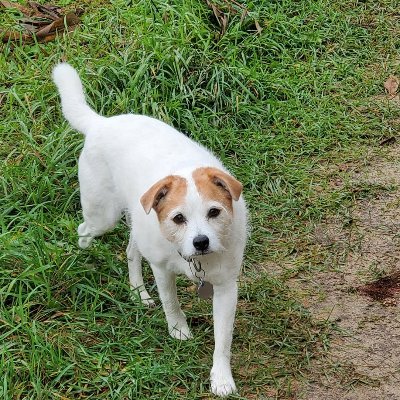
x=164 y=196
x=214 y=184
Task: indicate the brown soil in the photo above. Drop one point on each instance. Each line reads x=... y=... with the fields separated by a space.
x=360 y=292
x=384 y=288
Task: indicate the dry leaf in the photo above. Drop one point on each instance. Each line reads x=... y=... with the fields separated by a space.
x=71 y=20
x=29 y=28
x=222 y=12
x=243 y=16
x=49 y=11
x=24 y=10
x=344 y=167
x=258 y=27
x=34 y=21
x=15 y=36
x=181 y=390
x=391 y=85
x=45 y=22
x=221 y=18
x=388 y=141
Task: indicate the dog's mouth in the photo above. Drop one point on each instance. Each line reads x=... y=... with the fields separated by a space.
x=197 y=254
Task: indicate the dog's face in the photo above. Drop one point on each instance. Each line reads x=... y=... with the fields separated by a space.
x=195 y=214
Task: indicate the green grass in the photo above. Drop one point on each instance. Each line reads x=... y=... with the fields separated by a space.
x=279 y=108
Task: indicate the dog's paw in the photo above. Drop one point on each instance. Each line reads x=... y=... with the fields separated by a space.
x=222 y=385
x=181 y=333
x=149 y=302
x=85 y=241
x=142 y=297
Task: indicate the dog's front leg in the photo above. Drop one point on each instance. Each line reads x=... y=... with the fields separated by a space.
x=176 y=319
x=224 y=308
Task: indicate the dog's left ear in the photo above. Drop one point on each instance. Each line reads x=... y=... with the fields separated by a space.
x=225 y=182
x=155 y=196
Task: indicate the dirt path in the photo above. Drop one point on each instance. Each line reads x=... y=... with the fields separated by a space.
x=364 y=358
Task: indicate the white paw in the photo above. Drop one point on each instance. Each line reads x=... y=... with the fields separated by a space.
x=149 y=302
x=181 y=333
x=222 y=385
x=143 y=297
x=85 y=241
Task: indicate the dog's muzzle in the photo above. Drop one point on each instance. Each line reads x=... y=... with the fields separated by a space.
x=197 y=254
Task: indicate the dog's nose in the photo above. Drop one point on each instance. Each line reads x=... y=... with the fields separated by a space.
x=201 y=242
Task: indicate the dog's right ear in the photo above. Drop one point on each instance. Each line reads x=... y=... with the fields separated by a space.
x=155 y=196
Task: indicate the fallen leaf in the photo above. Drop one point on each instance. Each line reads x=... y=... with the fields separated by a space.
x=15 y=36
x=24 y=10
x=220 y=16
x=29 y=27
x=243 y=16
x=34 y=21
x=391 y=85
x=224 y=9
x=52 y=12
x=258 y=27
x=337 y=182
x=344 y=167
x=191 y=289
x=45 y=22
x=388 y=141
x=59 y=25
x=237 y=4
x=181 y=390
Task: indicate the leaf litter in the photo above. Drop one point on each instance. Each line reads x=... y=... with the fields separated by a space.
x=391 y=85
x=221 y=11
x=40 y=22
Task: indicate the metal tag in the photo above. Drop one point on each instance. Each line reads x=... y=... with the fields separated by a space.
x=205 y=290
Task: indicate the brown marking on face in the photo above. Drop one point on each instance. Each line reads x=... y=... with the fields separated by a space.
x=164 y=196
x=214 y=184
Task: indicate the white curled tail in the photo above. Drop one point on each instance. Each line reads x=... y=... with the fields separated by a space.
x=73 y=102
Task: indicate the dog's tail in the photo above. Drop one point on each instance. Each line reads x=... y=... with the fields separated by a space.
x=73 y=102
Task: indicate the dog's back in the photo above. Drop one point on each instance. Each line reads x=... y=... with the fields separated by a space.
x=137 y=149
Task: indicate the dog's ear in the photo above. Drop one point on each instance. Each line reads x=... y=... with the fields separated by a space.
x=225 y=182
x=155 y=196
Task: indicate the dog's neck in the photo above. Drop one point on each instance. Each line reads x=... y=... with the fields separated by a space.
x=205 y=289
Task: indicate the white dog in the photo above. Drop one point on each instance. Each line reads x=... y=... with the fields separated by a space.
x=186 y=212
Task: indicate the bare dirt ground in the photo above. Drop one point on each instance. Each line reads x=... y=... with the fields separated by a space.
x=363 y=361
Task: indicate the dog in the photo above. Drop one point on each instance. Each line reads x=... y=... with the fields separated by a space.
x=186 y=212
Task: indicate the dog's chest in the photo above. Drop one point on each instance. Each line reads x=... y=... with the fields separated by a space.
x=181 y=267
x=209 y=270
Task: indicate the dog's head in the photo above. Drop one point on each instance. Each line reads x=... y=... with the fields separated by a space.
x=195 y=212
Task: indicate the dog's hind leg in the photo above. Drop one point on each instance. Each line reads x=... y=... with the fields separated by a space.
x=135 y=272
x=100 y=208
x=96 y=222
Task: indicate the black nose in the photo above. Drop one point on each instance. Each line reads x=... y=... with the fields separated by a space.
x=201 y=242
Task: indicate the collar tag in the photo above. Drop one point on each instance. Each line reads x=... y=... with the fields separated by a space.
x=205 y=290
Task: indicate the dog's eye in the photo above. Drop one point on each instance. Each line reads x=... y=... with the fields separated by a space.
x=213 y=212
x=179 y=219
